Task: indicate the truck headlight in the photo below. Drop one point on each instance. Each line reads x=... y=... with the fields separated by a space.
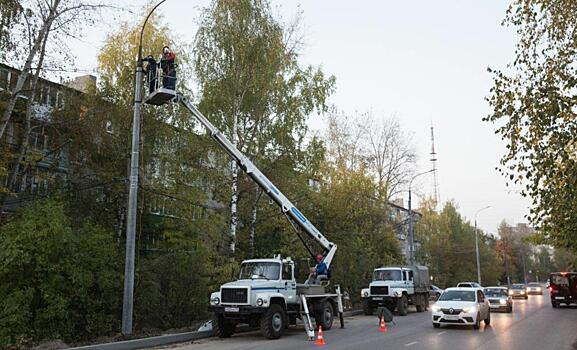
x=502 y=301
x=259 y=302
x=470 y=309
x=435 y=308
x=365 y=294
x=215 y=300
x=396 y=294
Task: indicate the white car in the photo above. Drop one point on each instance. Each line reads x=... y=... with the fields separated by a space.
x=461 y=306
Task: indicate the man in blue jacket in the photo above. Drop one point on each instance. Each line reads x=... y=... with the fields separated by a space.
x=320 y=272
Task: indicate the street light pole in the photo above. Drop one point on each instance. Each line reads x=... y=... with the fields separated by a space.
x=128 y=296
x=411 y=228
x=477 y=244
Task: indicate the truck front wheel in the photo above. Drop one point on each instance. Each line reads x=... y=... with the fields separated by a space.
x=367 y=309
x=325 y=315
x=272 y=322
x=222 y=327
x=403 y=305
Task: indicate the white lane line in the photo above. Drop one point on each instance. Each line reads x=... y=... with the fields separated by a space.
x=441 y=333
x=411 y=343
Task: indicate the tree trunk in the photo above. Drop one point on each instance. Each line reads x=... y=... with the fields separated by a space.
x=38 y=42
x=258 y=193
x=234 y=188
x=12 y=179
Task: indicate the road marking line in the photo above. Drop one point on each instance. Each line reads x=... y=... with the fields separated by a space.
x=443 y=332
x=411 y=343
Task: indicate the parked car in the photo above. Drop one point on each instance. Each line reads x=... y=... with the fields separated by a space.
x=534 y=288
x=469 y=285
x=518 y=290
x=461 y=306
x=434 y=292
x=563 y=288
x=499 y=298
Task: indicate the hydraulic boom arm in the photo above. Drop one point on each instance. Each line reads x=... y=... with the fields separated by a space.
x=257 y=176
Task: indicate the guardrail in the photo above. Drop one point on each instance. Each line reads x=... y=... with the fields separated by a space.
x=167 y=339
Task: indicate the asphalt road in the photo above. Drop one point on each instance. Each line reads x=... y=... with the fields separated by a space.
x=534 y=324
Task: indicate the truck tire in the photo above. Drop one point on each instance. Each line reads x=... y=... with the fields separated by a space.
x=221 y=327
x=420 y=304
x=272 y=322
x=403 y=305
x=367 y=309
x=325 y=315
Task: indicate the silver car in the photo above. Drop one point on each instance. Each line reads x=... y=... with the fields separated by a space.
x=534 y=288
x=499 y=298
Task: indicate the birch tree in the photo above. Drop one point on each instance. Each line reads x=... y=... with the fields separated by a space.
x=534 y=110
x=252 y=85
x=43 y=21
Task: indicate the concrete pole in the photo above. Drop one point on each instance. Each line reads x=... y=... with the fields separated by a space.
x=477 y=253
x=128 y=297
x=411 y=238
x=127 y=301
x=477 y=245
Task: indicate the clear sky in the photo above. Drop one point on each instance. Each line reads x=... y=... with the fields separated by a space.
x=420 y=61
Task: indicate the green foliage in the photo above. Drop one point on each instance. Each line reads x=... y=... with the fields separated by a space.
x=448 y=248
x=59 y=281
x=350 y=216
x=533 y=104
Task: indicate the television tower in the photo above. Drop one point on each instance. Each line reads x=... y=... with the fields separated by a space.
x=433 y=160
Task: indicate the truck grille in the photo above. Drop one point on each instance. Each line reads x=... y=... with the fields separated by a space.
x=380 y=290
x=234 y=295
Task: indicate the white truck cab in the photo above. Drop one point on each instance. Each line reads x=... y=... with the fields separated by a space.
x=397 y=287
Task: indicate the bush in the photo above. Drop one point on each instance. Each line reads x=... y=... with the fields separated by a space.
x=58 y=282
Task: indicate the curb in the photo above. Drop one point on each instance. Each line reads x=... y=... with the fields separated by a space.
x=165 y=339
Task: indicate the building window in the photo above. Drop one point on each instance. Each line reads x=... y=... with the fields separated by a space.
x=52 y=97
x=59 y=100
x=38 y=140
x=45 y=95
x=4 y=79
x=109 y=128
x=315 y=184
x=13 y=80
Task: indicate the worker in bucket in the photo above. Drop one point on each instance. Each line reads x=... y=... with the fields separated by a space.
x=319 y=272
x=150 y=70
x=168 y=68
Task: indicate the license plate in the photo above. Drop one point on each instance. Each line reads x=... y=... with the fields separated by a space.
x=377 y=298
x=231 y=309
x=451 y=317
x=559 y=298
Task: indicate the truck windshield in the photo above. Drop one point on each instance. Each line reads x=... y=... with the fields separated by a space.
x=458 y=295
x=259 y=270
x=387 y=275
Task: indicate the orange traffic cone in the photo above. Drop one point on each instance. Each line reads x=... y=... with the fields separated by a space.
x=320 y=339
x=383 y=327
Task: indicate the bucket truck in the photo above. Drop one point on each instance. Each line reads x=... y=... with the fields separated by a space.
x=266 y=294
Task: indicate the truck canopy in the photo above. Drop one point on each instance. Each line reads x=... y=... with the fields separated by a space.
x=420 y=278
